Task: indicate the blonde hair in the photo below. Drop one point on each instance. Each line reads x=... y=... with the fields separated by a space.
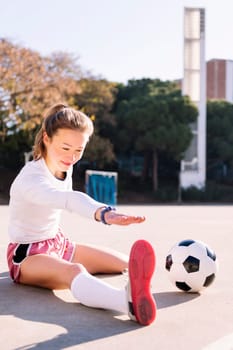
x=58 y=117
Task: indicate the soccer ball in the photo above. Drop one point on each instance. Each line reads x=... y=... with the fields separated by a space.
x=191 y=265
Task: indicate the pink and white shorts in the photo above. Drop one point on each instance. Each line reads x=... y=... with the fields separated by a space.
x=59 y=246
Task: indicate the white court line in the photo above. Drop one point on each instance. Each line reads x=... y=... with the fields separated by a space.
x=225 y=343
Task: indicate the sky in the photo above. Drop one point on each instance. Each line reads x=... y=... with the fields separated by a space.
x=117 y=40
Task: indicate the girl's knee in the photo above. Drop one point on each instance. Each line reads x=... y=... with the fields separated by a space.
x=76 y=269
x=69 y=273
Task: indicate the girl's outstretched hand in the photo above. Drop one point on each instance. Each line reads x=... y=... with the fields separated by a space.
x=112 y=217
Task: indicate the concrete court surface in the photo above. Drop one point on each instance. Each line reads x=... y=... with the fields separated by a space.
x=34 y=318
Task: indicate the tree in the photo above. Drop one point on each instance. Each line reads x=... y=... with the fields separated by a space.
x=154 y=117
x=95 y=98
x=219 y=134
x=99 y=152
x=29 y=83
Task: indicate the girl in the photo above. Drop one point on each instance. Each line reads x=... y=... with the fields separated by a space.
x=39 y=254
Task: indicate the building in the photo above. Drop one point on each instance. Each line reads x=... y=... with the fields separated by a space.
x=219 y=80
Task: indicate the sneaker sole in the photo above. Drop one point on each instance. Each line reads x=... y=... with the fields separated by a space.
x=141 y=269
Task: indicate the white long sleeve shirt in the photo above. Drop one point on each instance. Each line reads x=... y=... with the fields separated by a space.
x=37 y=199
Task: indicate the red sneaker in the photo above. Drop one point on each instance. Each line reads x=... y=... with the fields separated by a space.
x=142 y=306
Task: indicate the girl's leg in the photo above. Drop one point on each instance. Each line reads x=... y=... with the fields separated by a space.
x=137 y=299
x=49 y=272
x=53 y=273
x=100 y=260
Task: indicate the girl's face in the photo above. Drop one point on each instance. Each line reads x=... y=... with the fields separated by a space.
x=64 y=149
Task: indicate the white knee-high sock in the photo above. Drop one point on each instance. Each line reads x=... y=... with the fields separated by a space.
x=93 y=292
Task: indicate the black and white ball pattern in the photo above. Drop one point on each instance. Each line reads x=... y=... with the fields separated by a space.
x=191 y=265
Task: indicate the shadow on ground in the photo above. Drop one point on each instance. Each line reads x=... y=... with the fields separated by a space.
x=81 y=324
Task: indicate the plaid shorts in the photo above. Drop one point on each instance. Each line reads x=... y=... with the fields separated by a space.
x=59 y=246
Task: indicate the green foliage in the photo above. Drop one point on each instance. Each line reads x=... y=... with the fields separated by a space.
x=213 y=192
x=166 y=194
x=13 y=147
x=219 y=131
x=99 y=151
x=153 y=116
x=95 y=98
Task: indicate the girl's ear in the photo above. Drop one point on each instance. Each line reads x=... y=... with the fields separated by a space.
x=45 y=138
